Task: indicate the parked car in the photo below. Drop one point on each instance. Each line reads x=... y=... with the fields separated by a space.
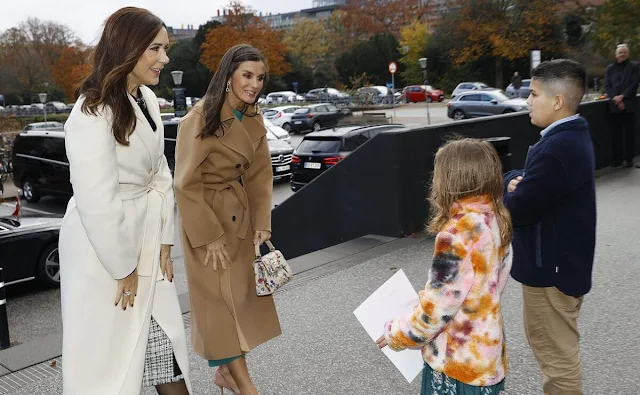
x=279 y=132
x=51 y=125
x=524 y=89
x=167 y=116
x=40 y=165
x=1 y=109
x=281 y=154
x=319 y=151
x=325 y=94
x=283 y=97
x=69 y=107
x=420 y=93
x=317 y=116
x=164 y=103
x=374 y=95
x=29 y=250
x=470 y=86
x=280 y=116
x=56 y=107
x=483 y=103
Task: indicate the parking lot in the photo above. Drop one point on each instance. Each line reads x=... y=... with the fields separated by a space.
x=35 y=312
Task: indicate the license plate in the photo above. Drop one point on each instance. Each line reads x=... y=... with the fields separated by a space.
x=282 y=168
x=298 y=122
x=312 y=165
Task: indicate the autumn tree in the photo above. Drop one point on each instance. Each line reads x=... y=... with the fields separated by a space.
x=243 y=26
x=71 y=68
x=502 y=29
x=617 y=22
x=413 y=43
x=366 y=18
x=309 y=41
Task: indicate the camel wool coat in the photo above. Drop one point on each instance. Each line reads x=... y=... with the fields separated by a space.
x=121 y=211
x=223 y=188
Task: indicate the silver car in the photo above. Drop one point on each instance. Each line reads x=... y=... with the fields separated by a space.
x=482 y=104
x=525 y=89
x=470 y=86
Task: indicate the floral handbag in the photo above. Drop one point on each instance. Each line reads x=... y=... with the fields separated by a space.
x=271 y=271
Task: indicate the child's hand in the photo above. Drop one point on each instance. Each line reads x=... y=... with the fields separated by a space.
x=513 y=184
x=381 y=342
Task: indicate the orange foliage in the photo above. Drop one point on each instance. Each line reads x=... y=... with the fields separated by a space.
x=370 y=17
x=70 y=69
x=243 y=27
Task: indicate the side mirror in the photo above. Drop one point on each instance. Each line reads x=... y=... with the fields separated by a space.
x=494 y=101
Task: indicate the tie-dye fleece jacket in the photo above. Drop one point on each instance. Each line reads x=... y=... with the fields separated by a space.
x=458 y=322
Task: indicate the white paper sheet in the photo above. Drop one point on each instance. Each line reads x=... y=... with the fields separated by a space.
x=394 y=298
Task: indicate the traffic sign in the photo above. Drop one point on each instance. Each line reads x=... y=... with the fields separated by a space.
x=393 y=67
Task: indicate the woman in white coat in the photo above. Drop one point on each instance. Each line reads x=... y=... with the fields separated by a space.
x=122 y=325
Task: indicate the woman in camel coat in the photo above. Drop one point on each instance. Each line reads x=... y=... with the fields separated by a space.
x=223 y=189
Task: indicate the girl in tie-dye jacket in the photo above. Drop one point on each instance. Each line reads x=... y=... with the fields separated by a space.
x=458 y=322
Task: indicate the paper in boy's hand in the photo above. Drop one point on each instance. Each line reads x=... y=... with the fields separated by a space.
x=393 y=299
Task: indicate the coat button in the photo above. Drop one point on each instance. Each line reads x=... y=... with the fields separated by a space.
x=233 y=218
x=238 y=166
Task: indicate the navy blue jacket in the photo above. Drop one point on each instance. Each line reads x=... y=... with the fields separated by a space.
x=553 y=210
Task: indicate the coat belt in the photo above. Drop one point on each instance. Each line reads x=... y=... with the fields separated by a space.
x=241 y=194
x=153 y=224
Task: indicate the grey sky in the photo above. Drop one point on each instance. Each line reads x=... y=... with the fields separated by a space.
x=85 y=17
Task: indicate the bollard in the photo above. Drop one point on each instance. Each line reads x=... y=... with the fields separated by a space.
x=4 y=321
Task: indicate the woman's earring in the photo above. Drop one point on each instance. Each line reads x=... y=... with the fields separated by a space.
x=228 y=86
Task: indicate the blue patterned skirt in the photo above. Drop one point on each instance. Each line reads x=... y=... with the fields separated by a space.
x=436 y=383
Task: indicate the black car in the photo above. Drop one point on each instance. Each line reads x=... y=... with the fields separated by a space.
x=319 y=151
x=29 y=250
x=317 y=116
x=40 y=165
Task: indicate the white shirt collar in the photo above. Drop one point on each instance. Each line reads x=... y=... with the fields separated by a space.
x=558 y=122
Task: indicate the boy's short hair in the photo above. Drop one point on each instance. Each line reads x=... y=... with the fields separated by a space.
x=562 y=76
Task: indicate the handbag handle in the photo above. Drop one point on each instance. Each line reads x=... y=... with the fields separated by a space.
x=269 y=244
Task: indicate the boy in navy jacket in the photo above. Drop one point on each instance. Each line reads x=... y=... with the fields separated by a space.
x=552 y=202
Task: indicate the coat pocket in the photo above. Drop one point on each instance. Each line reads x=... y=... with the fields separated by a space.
x=527 y=245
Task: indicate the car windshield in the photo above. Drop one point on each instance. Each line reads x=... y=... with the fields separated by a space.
x=429 y=87
x=482 y=85
x=302 y=111
x=500 y=96
x=318 y=146
x=270 y=113
x=271 y=135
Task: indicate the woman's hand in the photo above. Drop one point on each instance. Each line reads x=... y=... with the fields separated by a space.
x=127 y=290
x=382 y=342
x=217 y=252
x=166 y=263
x=260 y=236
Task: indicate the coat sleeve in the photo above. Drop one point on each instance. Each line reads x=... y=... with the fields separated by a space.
x=91 y=150
x=164 y=183
x=544 y=183
x=197 y=217
x=258 y=181
x=450 y=280
x=608 y=87
x=631 y=90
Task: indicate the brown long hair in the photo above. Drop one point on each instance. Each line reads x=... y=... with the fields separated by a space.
x=127 y=34
x=467 y=167
x=216 y=94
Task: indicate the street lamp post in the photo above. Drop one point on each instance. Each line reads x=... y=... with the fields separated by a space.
x=179 y=99
x=423 y=66
x=43 y=100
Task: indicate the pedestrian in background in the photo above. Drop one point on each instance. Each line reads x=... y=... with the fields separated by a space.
x=458 y=322
x=516 y=81
x=224 y=182
x=552 y=202
x=621 y=85
x=117 y=233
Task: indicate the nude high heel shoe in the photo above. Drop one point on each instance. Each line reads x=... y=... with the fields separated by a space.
x=220 y=381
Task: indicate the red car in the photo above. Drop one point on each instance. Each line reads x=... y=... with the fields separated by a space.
x=416 y=93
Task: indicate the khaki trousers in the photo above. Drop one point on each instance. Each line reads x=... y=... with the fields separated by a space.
x=551 y=326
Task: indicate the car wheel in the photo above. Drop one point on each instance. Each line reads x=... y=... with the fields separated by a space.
x=30 y=192
x=286 y=127
x=458 y=115
x=316 y=126
x=429 y=99
x=49 y=266
x=508 y=111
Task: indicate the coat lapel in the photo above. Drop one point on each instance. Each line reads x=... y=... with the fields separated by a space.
x=236 y=138
x=143 y=128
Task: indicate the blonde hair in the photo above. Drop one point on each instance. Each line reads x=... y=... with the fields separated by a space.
x=467 y=167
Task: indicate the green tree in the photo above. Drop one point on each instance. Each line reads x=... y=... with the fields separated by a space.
x=371 y=57
x=616 y=22
x=413 y=43
x=185 y=56
x=308 y=41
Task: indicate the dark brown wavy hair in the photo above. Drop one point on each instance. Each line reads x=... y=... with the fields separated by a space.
x=127 y=33
x=216 y=95
x=467 y=167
